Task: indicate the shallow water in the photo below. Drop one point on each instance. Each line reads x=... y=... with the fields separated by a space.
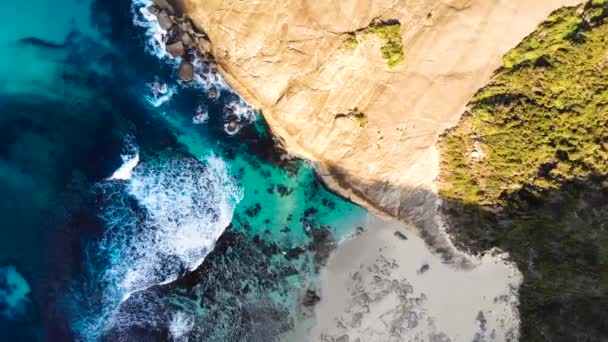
x=122 y=218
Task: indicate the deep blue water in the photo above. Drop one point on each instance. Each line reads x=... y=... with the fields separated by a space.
x=212 y=237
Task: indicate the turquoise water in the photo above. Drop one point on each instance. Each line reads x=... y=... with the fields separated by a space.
x=124 y=219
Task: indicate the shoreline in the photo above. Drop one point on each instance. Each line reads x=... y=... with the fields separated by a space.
x=418 y=208
x=383 y=283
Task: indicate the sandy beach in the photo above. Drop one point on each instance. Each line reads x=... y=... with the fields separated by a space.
x=383 y=284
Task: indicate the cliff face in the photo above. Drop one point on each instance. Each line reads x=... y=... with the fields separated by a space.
x=320 y=74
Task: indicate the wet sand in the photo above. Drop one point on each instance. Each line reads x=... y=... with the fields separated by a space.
x=380 y=286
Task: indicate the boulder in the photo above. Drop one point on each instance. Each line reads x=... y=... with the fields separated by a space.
x=164 y=4
x=176 y=49
x=213 y=93
x=400 y=235
x=186 y=26
x=185 y=71
x=204 y=45
x=187 y=40
x=164 y=20
x=310 y=298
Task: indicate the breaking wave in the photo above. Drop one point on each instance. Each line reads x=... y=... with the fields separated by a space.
x=130 y=159
x=160 y=223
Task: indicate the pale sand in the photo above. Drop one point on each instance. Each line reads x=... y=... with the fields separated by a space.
x=372 y=289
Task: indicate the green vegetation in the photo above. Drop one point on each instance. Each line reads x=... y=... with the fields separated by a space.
x=390 y=32
x=351 y=41
x=526 y=170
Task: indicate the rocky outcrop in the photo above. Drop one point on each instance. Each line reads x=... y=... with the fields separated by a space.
x=307 y=64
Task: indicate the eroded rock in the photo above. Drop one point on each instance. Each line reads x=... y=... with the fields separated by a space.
x=176 y=49
x=185 y=71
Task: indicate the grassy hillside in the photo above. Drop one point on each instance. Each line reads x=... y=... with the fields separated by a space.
x=526 y=170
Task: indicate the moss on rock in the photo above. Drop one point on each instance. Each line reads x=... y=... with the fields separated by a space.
x=390 y=33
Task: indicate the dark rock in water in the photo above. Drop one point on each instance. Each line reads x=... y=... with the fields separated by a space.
x=165 y=5
x=253 y=210
x=186 y=71
x=322 y=245
x=41 y=42
x=232 y=126
x=164 y=20
x=213 y=93
x=400 y=235
x=283 y=190
x=294 y=253
x=424 y=268
x=176 y=49
x=310 y=298
x=309 y=212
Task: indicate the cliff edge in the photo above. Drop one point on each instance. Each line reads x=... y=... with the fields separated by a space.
x=330 y=80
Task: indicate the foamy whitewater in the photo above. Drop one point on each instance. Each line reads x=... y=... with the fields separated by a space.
x=206 y=76
x=160 y=223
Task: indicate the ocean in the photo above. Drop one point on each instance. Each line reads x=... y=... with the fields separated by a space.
x=130 y=211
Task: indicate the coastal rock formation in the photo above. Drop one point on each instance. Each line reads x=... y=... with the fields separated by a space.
x=333 y=87
x=537 y=187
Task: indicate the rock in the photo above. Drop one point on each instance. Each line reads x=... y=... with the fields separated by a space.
x=310 y=298
x=186 y=26
x=213 y=93
x=204 y=45
x=176 y=49
x=343 y=338
x=154 y=10
x=164 y=20
x=424 y=268
x=185 y=71
x=400 y=235
x=232 y=126
x=187 y=40
x=288 y=60
x=164 y=4
x=323 y=243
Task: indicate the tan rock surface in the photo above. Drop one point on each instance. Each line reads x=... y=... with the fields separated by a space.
x=288 y=57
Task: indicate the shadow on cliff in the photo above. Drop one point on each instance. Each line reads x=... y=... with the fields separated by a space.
x=558 y=239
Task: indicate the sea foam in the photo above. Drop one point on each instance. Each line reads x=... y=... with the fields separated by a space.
x=160 y=223
x=206 y=76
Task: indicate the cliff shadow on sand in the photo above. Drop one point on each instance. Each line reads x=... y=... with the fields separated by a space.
x=558 y=239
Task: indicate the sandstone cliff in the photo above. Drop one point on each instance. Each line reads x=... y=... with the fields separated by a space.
x=317 y=72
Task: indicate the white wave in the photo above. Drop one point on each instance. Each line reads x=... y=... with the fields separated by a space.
x=201 y=115
x=130 y=159
x=165 y=220
x=181 y=324
x=206 y=76
x=142 y=17
x=159 y=92
x=14 y=292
